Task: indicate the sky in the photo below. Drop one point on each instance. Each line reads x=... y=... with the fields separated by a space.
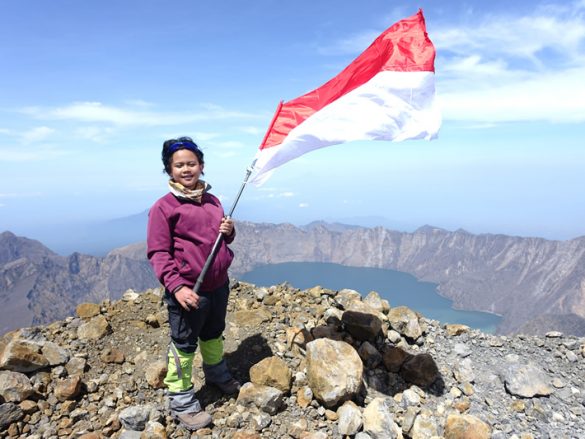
x=90 y=90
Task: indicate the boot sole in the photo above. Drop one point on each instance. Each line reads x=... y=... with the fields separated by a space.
x=192 y=427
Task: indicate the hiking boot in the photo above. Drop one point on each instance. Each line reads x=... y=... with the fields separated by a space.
x=194 y=420
x=228 y=387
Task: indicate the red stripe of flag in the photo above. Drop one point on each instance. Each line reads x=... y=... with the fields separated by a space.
x=404 y=47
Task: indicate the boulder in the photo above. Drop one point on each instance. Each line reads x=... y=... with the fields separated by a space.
x=96 y=328
x=334 y=371
x=374 y=300
x=266 y=398
x=15 y=386
x=272 y=371
x=405 y=322
x=361 y=325
x=22 y=356
x=87 y=310
x=526 y=380
x=379 y=420
x=394 y=358
x=68 y=388
x=420 y=370
x=466 y=427
x=349 y=419
x=155 y=374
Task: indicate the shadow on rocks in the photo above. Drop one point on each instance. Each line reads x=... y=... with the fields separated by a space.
x=249 y=352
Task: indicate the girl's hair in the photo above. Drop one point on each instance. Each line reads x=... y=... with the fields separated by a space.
x=171 y=146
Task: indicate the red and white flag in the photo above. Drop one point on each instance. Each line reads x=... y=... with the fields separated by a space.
x=386 y=93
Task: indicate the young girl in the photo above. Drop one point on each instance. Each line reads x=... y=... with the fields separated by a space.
x=182 y=228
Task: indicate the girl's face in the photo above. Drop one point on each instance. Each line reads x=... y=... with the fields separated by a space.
x=185 y=168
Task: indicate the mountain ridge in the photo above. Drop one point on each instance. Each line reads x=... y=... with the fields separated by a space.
x=519 y=278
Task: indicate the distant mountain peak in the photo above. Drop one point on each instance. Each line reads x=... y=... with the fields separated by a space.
x=13 y=247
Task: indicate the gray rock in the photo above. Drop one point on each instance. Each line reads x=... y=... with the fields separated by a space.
x=15 y=386
x=349 y=418
x=76 y=366
x=135 y=417
x=424 y=427
x=463 y=371
x=462 y=350
x=266 y=398
x=54 y=353
x=379 y=420
x=9 y=413
x=344 y=297
x=526 y=380
x=261 y=421
x=405 y=321
x=409 y=398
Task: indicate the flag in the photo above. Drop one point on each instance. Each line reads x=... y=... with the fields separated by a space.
x=386 y=93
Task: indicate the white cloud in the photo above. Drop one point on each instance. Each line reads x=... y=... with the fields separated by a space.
x=94 y=133
x=498 y=68
x=204 y=137
x=528 y=68
x=254 y=130
x=303 y=205
x=13 y=154
x=36 y=134
x=287 y=194
x=96 y=112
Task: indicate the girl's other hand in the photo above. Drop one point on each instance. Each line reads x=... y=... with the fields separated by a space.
x=227 y=226
x=187 y=298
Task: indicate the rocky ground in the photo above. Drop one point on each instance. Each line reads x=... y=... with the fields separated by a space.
x=316 y=364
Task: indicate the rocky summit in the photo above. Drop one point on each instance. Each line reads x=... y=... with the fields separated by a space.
x=315 y=364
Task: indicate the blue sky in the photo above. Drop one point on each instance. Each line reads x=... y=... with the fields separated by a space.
x=90 y=90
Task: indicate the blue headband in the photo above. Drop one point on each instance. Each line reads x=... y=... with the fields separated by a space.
x=185 y=144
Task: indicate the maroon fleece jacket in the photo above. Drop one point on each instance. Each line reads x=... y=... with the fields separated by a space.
x=180 y=236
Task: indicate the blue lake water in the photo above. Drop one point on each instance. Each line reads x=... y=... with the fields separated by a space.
x=400 y=289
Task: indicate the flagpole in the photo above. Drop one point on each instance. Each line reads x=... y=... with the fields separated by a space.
x=220 y=236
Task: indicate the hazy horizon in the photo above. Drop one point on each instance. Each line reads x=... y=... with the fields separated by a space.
x=100 y=237
x=96 y=86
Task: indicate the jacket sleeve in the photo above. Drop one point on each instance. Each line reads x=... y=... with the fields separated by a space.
x=230 y=238
x=159 y=243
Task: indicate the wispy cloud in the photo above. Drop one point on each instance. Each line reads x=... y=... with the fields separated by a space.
x=205 y=136
x=95 y=133
x=97 y=112
x=285 y=194
x=303 y=205
x=505 y=68
x=18 y=154
x=36 y=134
x=254 y=130
x=500 y=68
